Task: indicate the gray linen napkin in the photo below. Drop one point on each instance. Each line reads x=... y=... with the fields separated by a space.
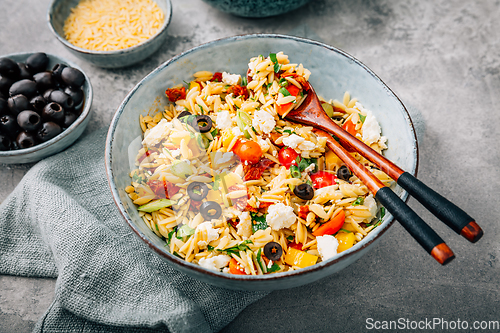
x=61 y=221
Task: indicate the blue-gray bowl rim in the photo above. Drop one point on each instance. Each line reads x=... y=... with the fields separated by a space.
x=248 y=278
x=84 y=114
x=168 y=17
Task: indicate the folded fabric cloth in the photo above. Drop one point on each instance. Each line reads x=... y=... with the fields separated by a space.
x=61 y=221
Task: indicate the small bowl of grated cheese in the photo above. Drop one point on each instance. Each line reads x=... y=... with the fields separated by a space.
x=111 y=33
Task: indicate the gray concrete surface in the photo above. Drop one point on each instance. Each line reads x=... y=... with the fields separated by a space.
x=442 y=58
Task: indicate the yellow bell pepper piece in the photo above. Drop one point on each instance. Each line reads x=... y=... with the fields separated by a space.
x=346 y=241
x=332 y=160
x=227 y=137
x=299 y=258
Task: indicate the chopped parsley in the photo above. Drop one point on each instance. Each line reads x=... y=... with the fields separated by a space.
x=258 y=222
x=359 y=201
x=237 y=248
x=214 y=132
x=274 y=268
x=303 y=163
x=283 y=82
x=284 y=92
x=169 y=238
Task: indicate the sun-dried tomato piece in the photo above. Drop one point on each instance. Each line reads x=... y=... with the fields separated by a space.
x=303 y=211
x=217 y=77
x=241 y=202
x=254 y=171
x=163 y=189
x=175 y=94
x=238 y=90
x=195 y=205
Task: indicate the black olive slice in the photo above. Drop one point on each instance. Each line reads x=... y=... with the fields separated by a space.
x=344 y=173
x=204 y=123
x=183 y=114
x=273 y=251
x=304 y=191
x=210 y=210
x=197 y=191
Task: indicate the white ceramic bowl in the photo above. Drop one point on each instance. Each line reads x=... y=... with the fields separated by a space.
x=59 y=10
x=61 y=141
x=333 y=73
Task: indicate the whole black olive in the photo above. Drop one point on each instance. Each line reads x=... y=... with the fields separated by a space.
x=37 y=62
x=25 y=140
x=38 y=103
x=75 y=94
x=24 y=87
x=61 y=98
x=273 y=251
x=304 y=191
x=344 y=173
x=43 y=80
x=17 y=104
x=29 y=120
x=8 y=68
x=183 y=114
x=46 y=94
x=72 y=77
x=8 y=125
x=23 y=71
x=4 y=106
x=53 y=111
x=5 y=143
x=210 y=210
x=5 y=84
x=69 y=118
x=57 y=71
x=48 y=131
x=203 y=123
x=197 y=191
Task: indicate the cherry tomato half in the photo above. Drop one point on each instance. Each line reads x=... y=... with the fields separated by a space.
x=235 y=267
x=248 y=151
x=350 y=127
x=287 y=156
x=322 y=178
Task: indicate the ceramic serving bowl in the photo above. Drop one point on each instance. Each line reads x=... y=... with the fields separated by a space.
x=333 y=73
x=256 y=8
x=59 y=10
x=64 y=139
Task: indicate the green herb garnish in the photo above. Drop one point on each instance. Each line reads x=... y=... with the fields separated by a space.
x=244 y=81
x=284 y=92
x=274 y=268
x=283 y=82
x=258 y=222
x=277 y=67
x=362 y=118
x=287 y=131
x=359 y=201
x=273 y=58
x=344 y=230
x=236 y=249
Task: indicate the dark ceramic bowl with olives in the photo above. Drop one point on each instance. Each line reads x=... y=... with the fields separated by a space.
x=45 y=105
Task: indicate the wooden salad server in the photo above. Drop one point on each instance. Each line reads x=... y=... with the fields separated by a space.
x=422 y=233
x=310 y=112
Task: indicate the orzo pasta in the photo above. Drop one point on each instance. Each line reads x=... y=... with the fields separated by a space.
x=234 y=187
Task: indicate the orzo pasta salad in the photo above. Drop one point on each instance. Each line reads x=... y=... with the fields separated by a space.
x=232 y=186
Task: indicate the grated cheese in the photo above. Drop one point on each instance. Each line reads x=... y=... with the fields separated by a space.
x=112 y=24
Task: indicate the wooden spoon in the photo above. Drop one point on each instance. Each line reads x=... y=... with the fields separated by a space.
x=310 y=112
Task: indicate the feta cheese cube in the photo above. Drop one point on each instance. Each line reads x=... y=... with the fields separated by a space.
x=371 y=129
x=371 y=204
x=216 y=263
x=280 y=216
x=206 y=229
x=293 y=141
x=230 y=79
x=264 y=145
x=327 y=246
x=223 y=120
x=263 y=121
